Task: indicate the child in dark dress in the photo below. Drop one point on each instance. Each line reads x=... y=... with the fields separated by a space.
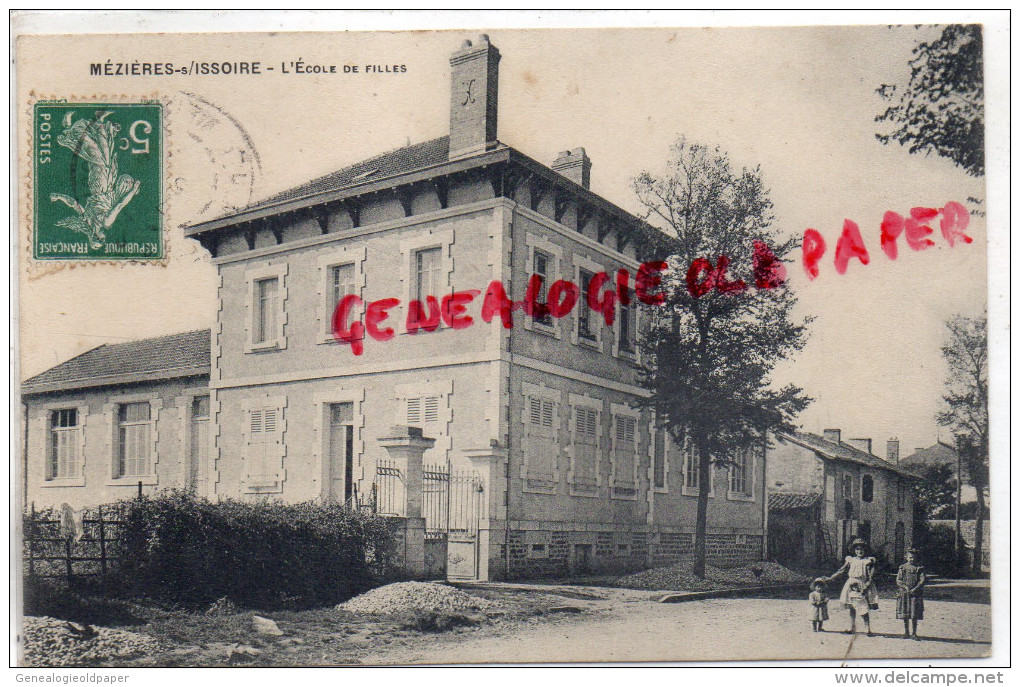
x=819 y=604
x=910 y=581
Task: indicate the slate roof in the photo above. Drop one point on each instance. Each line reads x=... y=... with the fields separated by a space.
x=781 y=500
x=389 y=164
x=841 y=451
x=164 y=357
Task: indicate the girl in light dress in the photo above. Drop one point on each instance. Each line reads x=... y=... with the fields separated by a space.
x=859 y=568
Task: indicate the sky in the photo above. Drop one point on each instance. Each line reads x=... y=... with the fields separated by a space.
x=798 y=102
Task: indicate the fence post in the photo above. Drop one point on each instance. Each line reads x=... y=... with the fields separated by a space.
x=139 y=490
x=406 y=445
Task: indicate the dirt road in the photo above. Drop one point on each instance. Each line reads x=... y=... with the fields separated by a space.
x=711 y=630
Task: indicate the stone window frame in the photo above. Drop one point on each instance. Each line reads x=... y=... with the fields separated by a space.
x=322 y=402
x=555 y=252
x=443 y=388
x=618 y=410
x=252 y=277
x=46 y=441
x=185 y=414
x=111 y=412
x=752 y=478
x=248 y=484
x=634 y=355
x=541 y=391
x=585 y=401
x=337 y=256
x=409 y=247
x=685 y=490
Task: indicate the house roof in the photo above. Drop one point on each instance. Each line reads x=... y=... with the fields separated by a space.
x=938 y=454
x=164 y=357
x=832 y=451
x=786 y=500
x=389 y=164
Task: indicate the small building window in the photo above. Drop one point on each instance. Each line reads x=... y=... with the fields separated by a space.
x=134 y=449
x=628 y=315
x=64 y=456
x=540 y=267
x=427 y=266
x=867 y=489
x=263 y=427
x=586 y=426
x=848 y=486
x=741 y=473
x=266 y=310
x=584 y=326
x=342 y=283
x=901 y=494
x=691 y=463
x=538 y=551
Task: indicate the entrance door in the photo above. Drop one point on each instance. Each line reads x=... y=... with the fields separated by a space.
x=198 y=464
x=339 y=485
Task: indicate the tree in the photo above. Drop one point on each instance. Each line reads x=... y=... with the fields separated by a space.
x=712 y=345
x=965 y=407
x=941 y=109
x=936 y=492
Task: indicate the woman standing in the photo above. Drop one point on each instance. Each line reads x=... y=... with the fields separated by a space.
x=861 y=569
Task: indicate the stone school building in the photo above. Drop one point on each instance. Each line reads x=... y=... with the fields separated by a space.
x=519 y=450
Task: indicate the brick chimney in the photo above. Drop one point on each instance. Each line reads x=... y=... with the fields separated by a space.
x=892 y=451
x=862 y=444
x=574 y=165
x=474 y=87
x=831 y=435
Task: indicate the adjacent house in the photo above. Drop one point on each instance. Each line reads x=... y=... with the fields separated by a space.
x=118 y=419
x=543 y=459
x=825 y=491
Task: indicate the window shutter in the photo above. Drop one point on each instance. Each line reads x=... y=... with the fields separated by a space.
x=536 y=411
x=414 y=411
x=255 y=419
x=547 y=413
x=431 y=409
x=269 y=420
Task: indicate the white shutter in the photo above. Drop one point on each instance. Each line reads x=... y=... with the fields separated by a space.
x=431 y=409
x=414 y=411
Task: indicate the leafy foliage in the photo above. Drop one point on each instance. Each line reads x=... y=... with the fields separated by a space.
x=941 y=109
x=708 y=359
x=187 y=550
x=936 y=492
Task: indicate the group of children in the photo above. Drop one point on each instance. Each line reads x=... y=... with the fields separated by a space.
x=860 y=597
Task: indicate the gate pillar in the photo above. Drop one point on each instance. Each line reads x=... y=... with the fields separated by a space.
x=490 y=464
x=406 y=446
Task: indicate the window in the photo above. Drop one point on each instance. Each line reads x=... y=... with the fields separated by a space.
x=263 y=426
x=867 y=489
x=64 y=455
x=266 y=310
x=342 y=283
x=742 y=474
x=133 y=445
x=691 y=463
x=848 y=486
x=422 y=410
x=538 y=551
x=584 y=313
x=624 y=454
x=628 y=314
x=427 y=266
x=541 y=443
x=659 y=459
x=900 y=542
x=540 y=266
x=901 y=494
x=586 y=423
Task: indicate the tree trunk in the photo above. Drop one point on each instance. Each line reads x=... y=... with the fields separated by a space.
x=979 y=531
x=701 y=523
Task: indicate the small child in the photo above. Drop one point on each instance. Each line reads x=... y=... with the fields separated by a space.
x=858 y=602
x=819 y=604
x=910 y=580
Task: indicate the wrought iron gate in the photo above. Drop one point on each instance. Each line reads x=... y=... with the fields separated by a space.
x=452 y=505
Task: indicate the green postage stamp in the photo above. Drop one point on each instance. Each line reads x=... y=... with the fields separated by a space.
x=98 y=192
